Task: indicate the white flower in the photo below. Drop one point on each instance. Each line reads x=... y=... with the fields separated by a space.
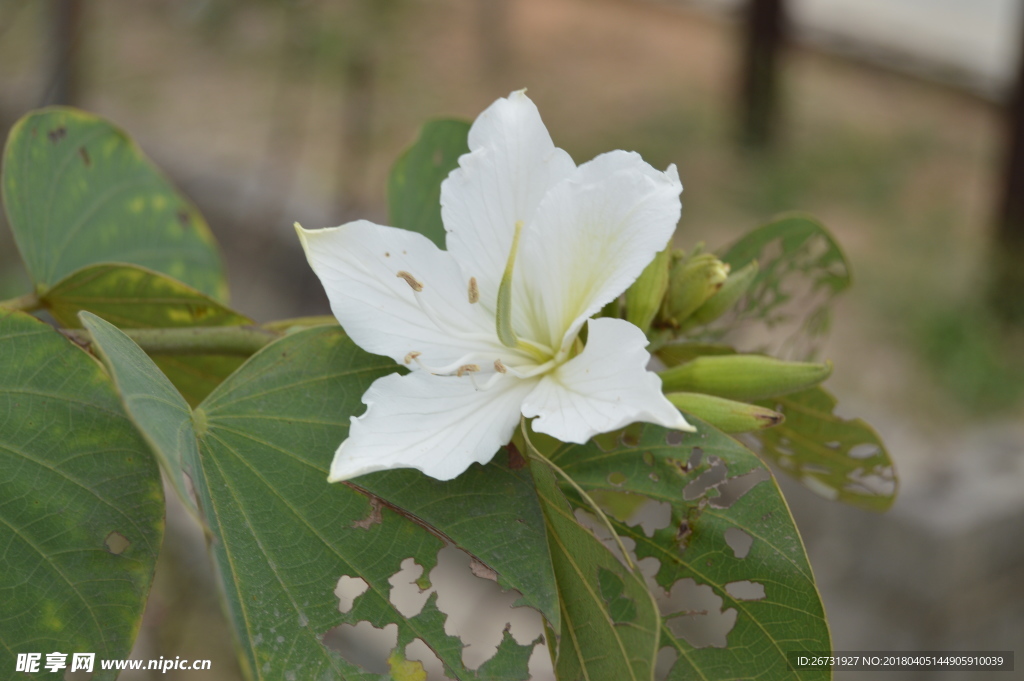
x=491 y=327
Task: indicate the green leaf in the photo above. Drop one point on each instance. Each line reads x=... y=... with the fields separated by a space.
x=698 y=477
x=78 y=191
x=609 y=620
x=492 y=512
x=414 y=187
x=134 y=297
x=158 y=410
x=801 y=270
x=81 y=506
x=839 y=459
x=282 y=537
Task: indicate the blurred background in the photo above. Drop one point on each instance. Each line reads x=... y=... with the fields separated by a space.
x=891 y=120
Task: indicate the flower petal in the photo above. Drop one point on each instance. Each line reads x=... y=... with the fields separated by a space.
x=511 y=166
x=370 y=273
x=605 y=387
x=593 y=235
x=437 y=424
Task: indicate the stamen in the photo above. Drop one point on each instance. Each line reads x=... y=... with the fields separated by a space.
x=459 y=365
x=503 y=314
x=474 y=291
x=467 y=369
x=413 y=283
x=412 y=355
x=499 y=366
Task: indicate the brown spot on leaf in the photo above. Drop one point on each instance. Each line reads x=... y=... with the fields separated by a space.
x=57 y=134
x=183 y=217
x=116 y=543
x=85 y=156
x=373 y=519
x=482 y=571
x=515 y=457
x=683 y=533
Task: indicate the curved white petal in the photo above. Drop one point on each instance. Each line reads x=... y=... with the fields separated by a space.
x=437 y=424
x=359 y=265
x=512 y=164
x=607 y=386
x=593 y=235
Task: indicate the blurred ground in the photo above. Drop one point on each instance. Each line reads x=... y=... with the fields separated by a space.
x=266 y=116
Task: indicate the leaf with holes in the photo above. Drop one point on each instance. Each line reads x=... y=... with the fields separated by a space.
x=78 y=191
x=490 y=511
x=727 y=533
x=609 y=620
x=839 y=459
x=801 y=269
x=81 y=506
x=285 y=539
x=134 y=297
x=414 y=187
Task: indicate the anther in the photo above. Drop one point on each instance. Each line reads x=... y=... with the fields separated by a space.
x=474 y=291
x=499 y=366
x=467 y=369
x=413 y=283
x=411 y=356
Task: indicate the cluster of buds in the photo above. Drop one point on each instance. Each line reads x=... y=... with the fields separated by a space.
x=679 y=292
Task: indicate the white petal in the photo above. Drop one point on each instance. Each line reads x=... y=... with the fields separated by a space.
x=593 y=235
x=605 y=387
x=511 y=166
x=359 y=265
x=437 y=424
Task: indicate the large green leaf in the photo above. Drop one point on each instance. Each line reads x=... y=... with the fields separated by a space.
x=609 y=620
x=414 y=187
x=801 y=270
x=81 y=506
x=839 y=459
x=282 y=536
x=699 y=476
x=134 y=297
x=78 y=191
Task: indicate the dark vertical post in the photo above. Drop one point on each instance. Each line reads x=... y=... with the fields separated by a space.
x=63 y=46
x=763 y=37
x=1007 y=293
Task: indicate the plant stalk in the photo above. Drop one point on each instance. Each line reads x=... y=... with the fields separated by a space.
x=237 y=341
x=25 y=303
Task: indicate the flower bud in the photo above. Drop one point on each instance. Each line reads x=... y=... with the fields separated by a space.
x=721 y=302
x=743 y=377
x=644 y=297
x=729 y=416
x=692 y=282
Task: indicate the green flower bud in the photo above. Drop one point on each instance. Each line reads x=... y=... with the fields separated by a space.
x=743 y=377
x=692 y=282
x=721 y=302
x=729 y=416
x=644 y=297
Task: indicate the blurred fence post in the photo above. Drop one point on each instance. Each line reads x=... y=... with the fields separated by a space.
x=63 y=45
x=764 y=34
x=493 y=31
x=1007 y=293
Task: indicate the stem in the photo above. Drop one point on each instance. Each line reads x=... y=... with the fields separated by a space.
x=536 y=454
x=282 y=325
x=240 y=341
x=25 y=303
